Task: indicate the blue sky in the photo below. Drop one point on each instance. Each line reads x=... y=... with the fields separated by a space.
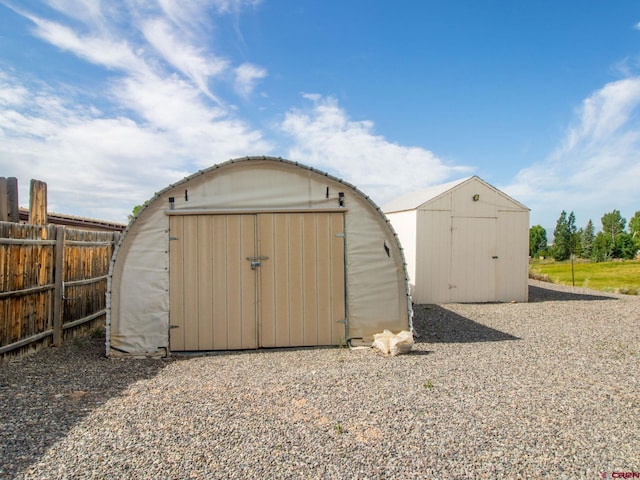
x=109 y=102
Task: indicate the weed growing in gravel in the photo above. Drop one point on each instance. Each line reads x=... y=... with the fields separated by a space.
x=540 y=276
x=629 y=290
x=428 y=384
x=338 y=428
x=98 y=333
x=342 y=345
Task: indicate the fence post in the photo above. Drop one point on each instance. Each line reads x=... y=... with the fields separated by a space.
x=9 y=208
x=4 y=200
x=12 y=195
x=58 y=292
x=38 y=203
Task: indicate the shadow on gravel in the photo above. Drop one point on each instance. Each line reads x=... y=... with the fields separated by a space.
x=436 y=324
x=540 y=294
x=44 y=395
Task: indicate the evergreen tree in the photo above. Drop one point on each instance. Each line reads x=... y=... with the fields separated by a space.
x=624 y=246
x=586 y=240
x=564 y=236
x=576 y=241
x=601 y=248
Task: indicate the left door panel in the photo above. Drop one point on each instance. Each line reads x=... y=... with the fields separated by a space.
x=212 y=288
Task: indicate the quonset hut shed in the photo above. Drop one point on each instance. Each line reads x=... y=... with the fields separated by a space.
x=464 y=241
x=255 y=252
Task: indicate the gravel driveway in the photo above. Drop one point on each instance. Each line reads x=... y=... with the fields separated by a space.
x=547 y=389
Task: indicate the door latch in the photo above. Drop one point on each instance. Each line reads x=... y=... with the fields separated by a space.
x=256 y=261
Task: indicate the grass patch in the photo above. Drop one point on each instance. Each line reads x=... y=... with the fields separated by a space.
x=619 y=276
x=539 y=276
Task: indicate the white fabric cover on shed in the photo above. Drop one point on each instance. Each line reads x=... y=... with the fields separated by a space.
x=377 y=293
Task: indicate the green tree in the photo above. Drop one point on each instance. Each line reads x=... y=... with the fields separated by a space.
x=634 y=224
x=537 y=240
x=577 y=243
x=613 y=224
x=586 y=240
x=564 y=236
x=624 y=246
x=134 y=212
x=601 y=248
x=634 y=229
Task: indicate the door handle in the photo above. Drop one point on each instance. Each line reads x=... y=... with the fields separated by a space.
x=254 y=265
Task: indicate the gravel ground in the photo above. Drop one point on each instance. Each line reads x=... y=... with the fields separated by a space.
x=547 y=389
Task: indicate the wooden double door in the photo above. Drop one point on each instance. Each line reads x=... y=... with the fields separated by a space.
x=243 y=281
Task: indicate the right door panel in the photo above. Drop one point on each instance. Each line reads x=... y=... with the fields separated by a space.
x=301 y=284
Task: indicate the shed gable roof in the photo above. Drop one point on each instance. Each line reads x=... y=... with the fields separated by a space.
x=414 y=200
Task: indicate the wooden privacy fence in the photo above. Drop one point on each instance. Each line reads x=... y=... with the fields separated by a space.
x=53 y=279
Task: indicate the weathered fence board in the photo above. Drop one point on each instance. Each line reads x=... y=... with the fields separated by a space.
x=52 y=279
x=38 y=203
x=9 y=209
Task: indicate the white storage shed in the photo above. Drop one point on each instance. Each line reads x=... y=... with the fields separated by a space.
x=255 y=252
x=464 y=242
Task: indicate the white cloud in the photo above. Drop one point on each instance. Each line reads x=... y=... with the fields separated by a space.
x=325 y=137
x=637 y=26
x=11 y=95
x=185 y=57
x=247 y=75
x=99 y=166
x=86 y=11
x=597 y=167
x=155 y=125
x=155 y=121
x=105 y=51
x=185 y=12
x=191 y=16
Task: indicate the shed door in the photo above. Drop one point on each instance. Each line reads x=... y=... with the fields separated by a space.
x=292 y=295
x=473 y=259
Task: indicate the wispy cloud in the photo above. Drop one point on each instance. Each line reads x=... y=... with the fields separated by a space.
x=86 y=11
x=599 y=155
x=247 y=75
x=191 y=61
x=101 y=50
x=159 y=124
x=325 y=136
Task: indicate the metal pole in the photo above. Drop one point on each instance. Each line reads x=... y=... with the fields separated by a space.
x=58 y=291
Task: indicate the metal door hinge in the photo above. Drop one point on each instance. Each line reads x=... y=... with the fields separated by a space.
x=340 y=235
x=173 y=326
